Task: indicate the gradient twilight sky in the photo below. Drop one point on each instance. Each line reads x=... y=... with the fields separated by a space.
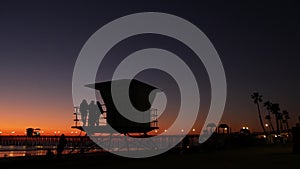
x=258 y=43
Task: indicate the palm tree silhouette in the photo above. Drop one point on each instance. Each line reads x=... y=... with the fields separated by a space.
x=268 y=105
x=257 y=98
x=275 y=110
x=286 y=118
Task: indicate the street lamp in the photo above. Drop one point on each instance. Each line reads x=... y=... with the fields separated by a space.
x=267 y=126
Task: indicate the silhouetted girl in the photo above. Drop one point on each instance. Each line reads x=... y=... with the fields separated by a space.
x=83 y=111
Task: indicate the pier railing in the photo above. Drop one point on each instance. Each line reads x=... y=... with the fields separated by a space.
x=43 y=141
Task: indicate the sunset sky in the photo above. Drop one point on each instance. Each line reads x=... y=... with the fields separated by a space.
x=258 y=43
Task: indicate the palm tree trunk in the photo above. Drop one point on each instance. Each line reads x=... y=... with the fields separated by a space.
x=287 y=125
x=270 y=122
x=260 y=119
x=277 y=123
x=272 y=127
x=281 y=125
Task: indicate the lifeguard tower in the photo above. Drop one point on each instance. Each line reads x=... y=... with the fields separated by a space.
x=139 y=97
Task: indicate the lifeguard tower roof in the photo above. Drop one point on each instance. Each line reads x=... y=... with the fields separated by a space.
x=139 y=93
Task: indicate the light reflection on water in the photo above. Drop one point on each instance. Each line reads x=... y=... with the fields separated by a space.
x=16 y=151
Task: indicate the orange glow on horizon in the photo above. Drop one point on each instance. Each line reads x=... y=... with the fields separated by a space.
x=36 y=112
x=49 y=118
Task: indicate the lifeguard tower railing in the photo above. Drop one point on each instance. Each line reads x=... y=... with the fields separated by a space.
x=78 y=123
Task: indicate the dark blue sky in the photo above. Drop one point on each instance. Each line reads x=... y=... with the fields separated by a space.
x=258 y=43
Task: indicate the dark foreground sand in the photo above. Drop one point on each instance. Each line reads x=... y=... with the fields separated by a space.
x=262 y=157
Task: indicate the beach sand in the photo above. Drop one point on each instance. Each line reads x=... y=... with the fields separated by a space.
x=254 y=157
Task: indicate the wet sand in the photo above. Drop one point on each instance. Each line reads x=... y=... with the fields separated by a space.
x=261 y=157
